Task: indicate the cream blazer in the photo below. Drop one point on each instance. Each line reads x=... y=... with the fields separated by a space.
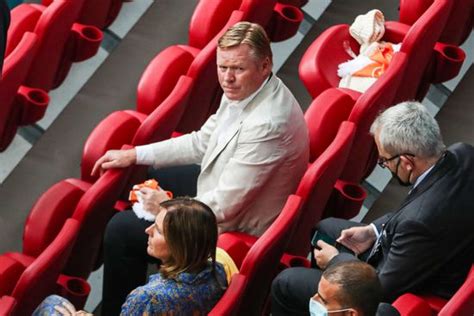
x=247 y=177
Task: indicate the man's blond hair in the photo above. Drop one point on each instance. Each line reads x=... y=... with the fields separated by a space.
x=248 y=33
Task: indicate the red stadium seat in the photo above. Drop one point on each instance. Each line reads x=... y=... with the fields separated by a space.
x=459 y=24
x=316 y=186
x=281 y=21
x=7 y=305
x=91 y=205
x=97 y=13
x=20 y=104
x=462 y=302
x=229 y=303
x=40 y=274
x=260 y=264
x=412 y=305
x=133 y=127
x=61 y=40
x=367 y=106
x=424 y=67
x=318 y=67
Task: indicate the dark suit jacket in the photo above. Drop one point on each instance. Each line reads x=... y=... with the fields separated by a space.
x=427 y=245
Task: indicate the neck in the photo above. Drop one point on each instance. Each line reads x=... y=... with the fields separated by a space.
x=424 y=164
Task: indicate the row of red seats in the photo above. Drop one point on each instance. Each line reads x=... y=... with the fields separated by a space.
x=177 y=74
x=430 y=61
x=43 y=42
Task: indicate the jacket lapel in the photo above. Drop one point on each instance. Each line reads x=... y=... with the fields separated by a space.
x=439 y=170
x=237 y=125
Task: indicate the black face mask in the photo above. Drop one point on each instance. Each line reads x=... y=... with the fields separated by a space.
x=400 y=181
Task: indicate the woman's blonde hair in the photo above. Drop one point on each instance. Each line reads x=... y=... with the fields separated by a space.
x=190 y=231
x=248 y=33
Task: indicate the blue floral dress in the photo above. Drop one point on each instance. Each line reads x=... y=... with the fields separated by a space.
x=188 y=294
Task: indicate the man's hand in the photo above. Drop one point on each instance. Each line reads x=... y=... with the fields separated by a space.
x=324 y=255
x=114 y=159
x=151 y=199
x=358 y=239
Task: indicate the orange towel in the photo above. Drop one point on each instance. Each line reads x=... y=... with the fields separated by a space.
x=381 y=57
x=152 y=184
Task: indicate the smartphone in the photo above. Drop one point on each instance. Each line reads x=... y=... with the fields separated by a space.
x=322 y=236
x=329 y=240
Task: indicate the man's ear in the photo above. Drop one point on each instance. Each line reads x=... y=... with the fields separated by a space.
x=267 y=65
x=408 y=162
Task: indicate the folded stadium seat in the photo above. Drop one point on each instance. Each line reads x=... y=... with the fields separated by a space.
x=349 y=195
x=426 y=62
x=20 y=105
x=40 y=274
x=317 y=184
x=62 y=41
x=411 y=305
x=462 y=302
x=336 y=105
x=280 y=19
x=459 y=24
x=97 y=13
x=7 y=305
x=261 y=262
x=229 y=303
x=90 y=204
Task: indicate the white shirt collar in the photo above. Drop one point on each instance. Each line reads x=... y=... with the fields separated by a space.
x=422 y=176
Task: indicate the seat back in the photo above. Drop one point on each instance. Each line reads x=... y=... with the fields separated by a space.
x=418 y=44
x=7 y=305
x=48 y=214
x=15 y=70
x=206 y=92
x=462 y=303
x=324 y=117
x=55 y=49
x=411 y=305
x=380 y=95
x=231 y=300
x=211 y=16
x=39 y=279
x=99 y=13
x=93 y=211
x=459 y=23
x=316 y=186
x=162 y=122
x=260 y=265
x=318 y=66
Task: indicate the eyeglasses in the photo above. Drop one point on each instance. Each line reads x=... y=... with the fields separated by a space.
x=382 y=161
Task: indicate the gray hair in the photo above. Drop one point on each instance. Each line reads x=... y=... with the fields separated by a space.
x=408 y=128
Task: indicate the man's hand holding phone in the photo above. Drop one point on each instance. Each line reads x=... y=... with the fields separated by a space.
x=359 y=239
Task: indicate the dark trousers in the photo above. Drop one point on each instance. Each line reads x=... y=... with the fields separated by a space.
x=125 y=242
x=293 y=287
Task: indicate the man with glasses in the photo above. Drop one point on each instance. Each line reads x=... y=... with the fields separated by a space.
x=427 y=245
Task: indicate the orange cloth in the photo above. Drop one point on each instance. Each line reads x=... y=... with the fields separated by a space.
x=381 y=57
x=152 y=184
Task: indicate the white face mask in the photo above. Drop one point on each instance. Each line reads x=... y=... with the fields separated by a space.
x=318 y=309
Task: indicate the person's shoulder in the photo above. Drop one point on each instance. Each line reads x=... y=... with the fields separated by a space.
x=385 y=309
